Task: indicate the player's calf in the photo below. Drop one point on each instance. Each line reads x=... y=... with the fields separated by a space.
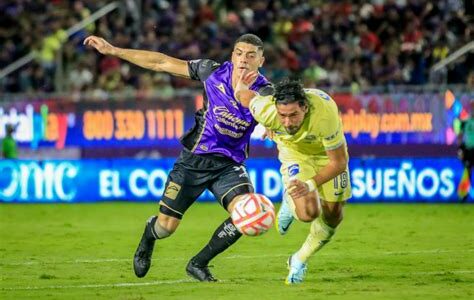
x=332 y=212
x=321 y=232
x=224 y=236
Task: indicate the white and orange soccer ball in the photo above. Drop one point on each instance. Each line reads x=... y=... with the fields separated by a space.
x=253 y=214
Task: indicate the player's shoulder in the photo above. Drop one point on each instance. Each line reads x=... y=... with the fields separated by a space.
x=322 y=100
x=323 y=104
x=261 y=100
x=204 y=63
x=263 y=109
x=201 y=69
x=264 y=87
x=317 y=94
x=264 y=97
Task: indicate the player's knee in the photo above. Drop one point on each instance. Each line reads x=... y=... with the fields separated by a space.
x=304 y=217
x=307 y=208
x=313 y=213
x=312 y=207
x=307 y=214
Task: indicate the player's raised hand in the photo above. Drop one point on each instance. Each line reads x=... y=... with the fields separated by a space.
x=100 y=45
x=241 y=89
x=248 y=78
x=298 y=189
x=268 y=134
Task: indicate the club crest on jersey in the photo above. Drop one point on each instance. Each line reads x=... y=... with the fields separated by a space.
x=293 y=170
x=221 y=87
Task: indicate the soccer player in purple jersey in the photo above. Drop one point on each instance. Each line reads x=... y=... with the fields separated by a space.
x=214 y=149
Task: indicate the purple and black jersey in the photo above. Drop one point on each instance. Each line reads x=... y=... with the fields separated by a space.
x=222 y=126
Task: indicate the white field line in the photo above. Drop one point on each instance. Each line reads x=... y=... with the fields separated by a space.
x=427 y=251
x=331 y=254
x=165 y=282
x=110 y=285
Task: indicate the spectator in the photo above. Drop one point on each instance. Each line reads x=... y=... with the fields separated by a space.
x=466 y=154
x=348 y=43
x=9 y=147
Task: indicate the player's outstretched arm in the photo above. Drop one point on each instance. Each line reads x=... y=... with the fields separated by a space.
x=337 y=164
x=155 y=61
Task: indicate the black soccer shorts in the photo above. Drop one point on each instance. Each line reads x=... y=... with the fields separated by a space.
x=192 y=174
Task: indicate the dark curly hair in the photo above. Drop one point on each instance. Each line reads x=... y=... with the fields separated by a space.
x=289 y=91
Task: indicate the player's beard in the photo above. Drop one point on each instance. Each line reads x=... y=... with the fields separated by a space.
x=292 y=130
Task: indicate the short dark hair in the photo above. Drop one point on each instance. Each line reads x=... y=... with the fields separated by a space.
x=251 y=39
x=290 y=91
x=10 y=129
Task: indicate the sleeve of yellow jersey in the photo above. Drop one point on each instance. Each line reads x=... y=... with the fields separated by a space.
x=332 y=131
x=264 y=111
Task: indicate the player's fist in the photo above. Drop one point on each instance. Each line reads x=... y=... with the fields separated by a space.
x=241 y=89
x=268 y=134
x=100 y=45
x=248 y=77
x=297 y=189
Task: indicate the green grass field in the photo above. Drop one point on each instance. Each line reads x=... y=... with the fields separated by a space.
x=379 y=252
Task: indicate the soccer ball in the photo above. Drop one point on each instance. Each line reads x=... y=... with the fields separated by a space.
x=253 y=215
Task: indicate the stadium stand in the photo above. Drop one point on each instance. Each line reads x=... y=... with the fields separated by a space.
x=354 y=44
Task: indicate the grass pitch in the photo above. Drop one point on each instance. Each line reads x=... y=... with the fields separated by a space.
x=379 y=252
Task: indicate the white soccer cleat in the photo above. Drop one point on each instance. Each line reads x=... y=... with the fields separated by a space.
x=297 y=271
x=284 y=217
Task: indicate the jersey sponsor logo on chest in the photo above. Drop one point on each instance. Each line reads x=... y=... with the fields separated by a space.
x=225 y=117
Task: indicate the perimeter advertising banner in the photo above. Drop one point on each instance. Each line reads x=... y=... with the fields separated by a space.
x=63 y=124
x=374 y=180
x=403 y=118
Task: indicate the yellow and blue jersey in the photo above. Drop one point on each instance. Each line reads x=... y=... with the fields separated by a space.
x=321 y=129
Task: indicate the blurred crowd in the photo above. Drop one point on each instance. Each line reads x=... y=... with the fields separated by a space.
x=353 y=44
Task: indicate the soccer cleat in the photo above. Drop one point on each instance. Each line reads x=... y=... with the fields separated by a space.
x=284 y=217
x=198 y=272
x=142 y=258
x=297 y=271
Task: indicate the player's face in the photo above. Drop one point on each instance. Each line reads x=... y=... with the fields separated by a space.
x=291 y=116
x=246 y=57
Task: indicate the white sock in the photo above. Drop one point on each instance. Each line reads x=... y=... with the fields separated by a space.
x=320 y=234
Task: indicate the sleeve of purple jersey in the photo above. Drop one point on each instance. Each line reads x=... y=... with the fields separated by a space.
x=201 y=69
x=266 y=90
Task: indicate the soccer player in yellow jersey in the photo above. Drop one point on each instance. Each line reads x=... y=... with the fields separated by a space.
x=307 y=128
